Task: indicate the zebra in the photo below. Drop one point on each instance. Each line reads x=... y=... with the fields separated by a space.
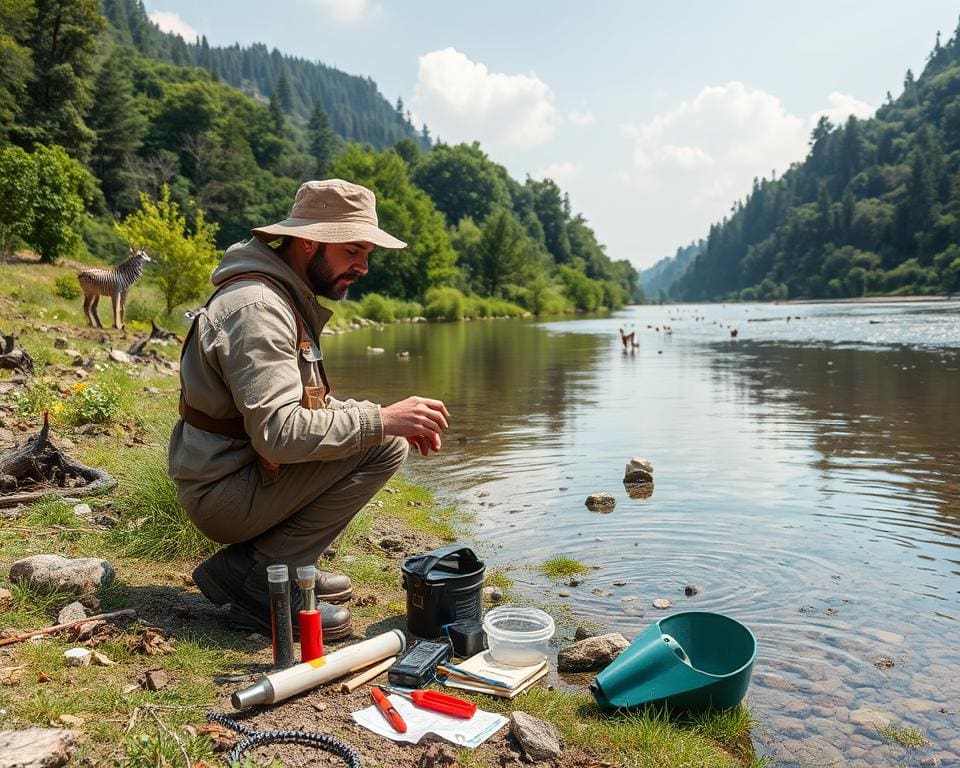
x=114 y=282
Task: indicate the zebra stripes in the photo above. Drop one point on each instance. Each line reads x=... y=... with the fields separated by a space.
x=114 y=282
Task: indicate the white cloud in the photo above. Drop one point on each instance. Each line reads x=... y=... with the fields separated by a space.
x=559 y=172
x=349 y=11
x=842 y=105
x=168 y=21
x=581 y=118
x=461 y=100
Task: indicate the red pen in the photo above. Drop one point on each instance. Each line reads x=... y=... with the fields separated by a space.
x=384 y=705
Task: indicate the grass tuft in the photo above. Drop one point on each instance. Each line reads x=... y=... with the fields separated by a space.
x=153 y=524
x=561 y=566
x=905 y=737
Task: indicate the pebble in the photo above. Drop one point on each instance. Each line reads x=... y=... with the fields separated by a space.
x=82 y=509
x=661 y=603
x=691 y=589
x=619 y=583
x=563 y=593
x=77 y=657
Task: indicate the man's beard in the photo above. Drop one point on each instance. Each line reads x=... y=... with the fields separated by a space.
x=324 y=282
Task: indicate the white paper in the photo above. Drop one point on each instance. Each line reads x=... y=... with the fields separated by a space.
x=464 y=733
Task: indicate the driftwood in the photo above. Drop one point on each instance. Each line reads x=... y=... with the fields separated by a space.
x=14 y=359
x=41 y=467
x=156 y=334
x=68 y=625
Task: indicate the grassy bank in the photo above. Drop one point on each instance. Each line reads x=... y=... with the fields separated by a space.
x=117 y=417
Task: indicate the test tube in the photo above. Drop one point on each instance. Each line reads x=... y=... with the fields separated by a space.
x=281 y=622
x=311 y=628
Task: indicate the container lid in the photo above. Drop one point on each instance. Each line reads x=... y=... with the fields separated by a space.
x=444 y=563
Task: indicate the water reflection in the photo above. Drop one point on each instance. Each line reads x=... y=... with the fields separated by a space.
x=806 y=481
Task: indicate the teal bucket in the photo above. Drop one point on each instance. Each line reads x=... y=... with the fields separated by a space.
x=692 y=661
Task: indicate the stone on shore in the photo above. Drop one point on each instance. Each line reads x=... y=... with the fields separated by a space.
x=36 y=747
x=72 y=612
x=591 y=652
x=80 y=576
x=538 y=739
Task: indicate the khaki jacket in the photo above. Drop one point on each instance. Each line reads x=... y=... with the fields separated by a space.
x=242 y=358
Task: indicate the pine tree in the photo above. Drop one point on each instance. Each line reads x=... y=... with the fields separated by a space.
x=323 y=140
x=63 y=38
x=119 y=128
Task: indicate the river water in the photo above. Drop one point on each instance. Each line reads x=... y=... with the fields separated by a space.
x=807 y=480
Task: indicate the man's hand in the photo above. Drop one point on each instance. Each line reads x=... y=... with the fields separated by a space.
x=418 y=419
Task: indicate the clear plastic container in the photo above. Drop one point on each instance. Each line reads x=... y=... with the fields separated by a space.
x=518 y=637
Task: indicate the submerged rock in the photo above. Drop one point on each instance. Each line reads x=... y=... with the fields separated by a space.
x=601 y=502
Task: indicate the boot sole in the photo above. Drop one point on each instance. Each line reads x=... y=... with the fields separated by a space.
x=336 y=597
x=240 y=618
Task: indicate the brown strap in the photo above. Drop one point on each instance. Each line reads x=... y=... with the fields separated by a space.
x=226 y=427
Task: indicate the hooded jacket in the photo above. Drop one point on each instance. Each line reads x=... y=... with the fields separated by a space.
x=243 y=358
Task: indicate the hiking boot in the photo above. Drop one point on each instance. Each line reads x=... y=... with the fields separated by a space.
x=333 y=587
x=255 y=616
x=250 y=608
x=220 y=577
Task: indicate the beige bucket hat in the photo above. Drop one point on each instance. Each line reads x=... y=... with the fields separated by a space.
x=332 y=211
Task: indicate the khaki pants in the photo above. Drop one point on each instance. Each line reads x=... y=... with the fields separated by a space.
x=295 y=519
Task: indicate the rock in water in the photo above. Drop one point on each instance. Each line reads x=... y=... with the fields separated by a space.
x=80 y=576
x=638 y=471
x=539 y=740
x=601 y=502
x=592 y=652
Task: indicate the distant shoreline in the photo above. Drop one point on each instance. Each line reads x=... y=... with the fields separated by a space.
x=872 y=300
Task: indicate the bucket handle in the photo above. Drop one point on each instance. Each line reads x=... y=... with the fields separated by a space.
x=430 y=559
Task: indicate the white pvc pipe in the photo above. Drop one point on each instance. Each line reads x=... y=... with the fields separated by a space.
x=281 y=685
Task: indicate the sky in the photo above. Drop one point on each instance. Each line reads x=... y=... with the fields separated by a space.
x=654 y=117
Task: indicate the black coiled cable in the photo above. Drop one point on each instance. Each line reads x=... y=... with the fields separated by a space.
x=307 y=738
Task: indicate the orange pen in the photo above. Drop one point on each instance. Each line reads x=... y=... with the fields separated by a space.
x=384 y=705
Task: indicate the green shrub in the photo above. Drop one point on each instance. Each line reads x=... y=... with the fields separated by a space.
x=445 y=303
x=95 y=404
x=36 y=399
x=379 y=308
x=67 y=287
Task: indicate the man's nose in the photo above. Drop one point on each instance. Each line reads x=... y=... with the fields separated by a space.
x=360 y=265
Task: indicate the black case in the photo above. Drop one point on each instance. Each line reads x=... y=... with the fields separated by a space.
x=416 y=667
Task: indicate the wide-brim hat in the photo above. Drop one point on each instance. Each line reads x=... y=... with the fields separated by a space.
x=332 y=211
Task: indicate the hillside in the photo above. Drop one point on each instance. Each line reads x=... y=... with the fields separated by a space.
x=873 y=209
x=658 y=279
x=357 y=110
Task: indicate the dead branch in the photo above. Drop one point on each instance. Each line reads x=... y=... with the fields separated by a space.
x=68 y=625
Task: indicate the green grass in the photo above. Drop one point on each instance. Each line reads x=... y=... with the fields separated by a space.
x=905 y=737
x=561 y=566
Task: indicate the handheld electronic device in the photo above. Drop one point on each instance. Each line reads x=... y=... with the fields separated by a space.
x=416 y=667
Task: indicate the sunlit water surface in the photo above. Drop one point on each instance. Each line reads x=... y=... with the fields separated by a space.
x=807 y=480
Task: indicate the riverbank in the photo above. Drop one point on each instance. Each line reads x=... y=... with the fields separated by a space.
x=177 y=659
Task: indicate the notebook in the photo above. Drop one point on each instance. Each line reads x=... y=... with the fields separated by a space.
x=482 y=673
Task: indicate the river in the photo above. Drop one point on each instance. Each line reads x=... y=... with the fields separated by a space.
x=807 y=481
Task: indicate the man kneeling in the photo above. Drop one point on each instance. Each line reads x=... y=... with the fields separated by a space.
x=265 y=459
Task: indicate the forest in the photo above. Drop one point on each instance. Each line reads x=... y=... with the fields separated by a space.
x=874 y=208
x=113 y=131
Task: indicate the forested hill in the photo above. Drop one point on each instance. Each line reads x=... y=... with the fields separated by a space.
x=873 y=209
x=357 y=110
x=658 y=279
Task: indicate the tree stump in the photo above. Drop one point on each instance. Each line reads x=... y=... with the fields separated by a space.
x=38 y=468
x=14 y=359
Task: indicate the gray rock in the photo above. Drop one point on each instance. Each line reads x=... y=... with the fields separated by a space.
x=691 y=589
x=662 y=603
x=80 y=576
x=601 y=502
x=582 y=633
x=124 y=358
x=72 y=612
x=493 y=594
x=37 y=747
x=591 y=652
x=60 y=342
x=538 y=739
x=83 y=510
